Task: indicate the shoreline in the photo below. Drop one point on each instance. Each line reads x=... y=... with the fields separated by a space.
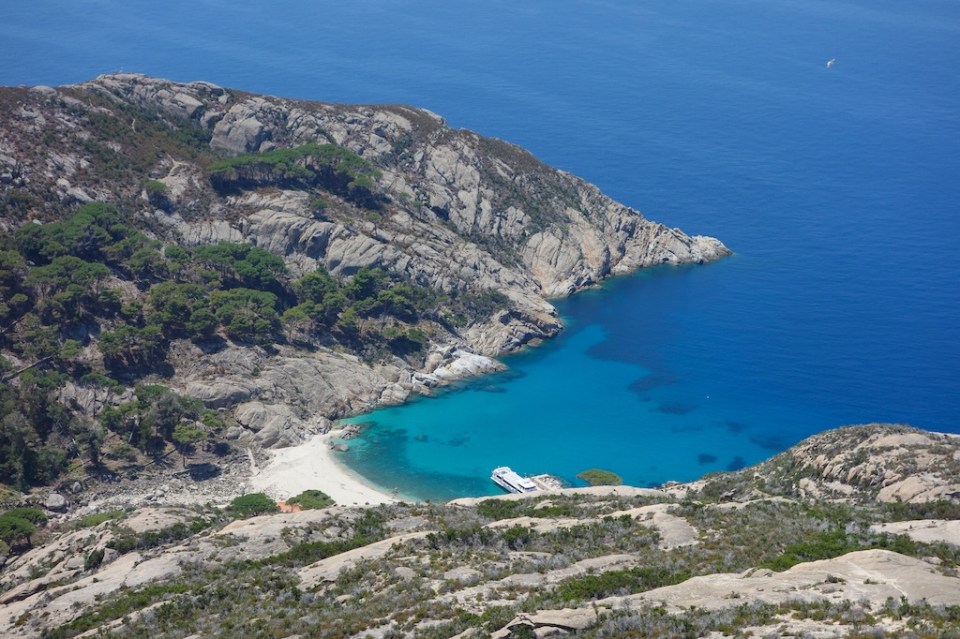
x=313 y=465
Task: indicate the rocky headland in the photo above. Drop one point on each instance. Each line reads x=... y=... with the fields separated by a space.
x=479 y=233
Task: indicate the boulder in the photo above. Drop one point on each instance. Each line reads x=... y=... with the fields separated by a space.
x=242 y=129
x=56 y=502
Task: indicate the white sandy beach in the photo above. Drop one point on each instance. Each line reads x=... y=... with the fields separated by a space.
x=312 y=465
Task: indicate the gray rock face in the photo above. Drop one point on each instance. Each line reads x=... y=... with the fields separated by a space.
x=281 y=399
x=872 y=575
x=276 y=425
x=181 y=100
x=56 y=502
x=239 y=133
x=565 y=233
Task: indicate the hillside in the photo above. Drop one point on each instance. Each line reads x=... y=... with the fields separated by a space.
x=189 y=272
x=785 y=548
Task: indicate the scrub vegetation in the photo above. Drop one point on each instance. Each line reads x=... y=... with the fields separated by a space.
x=464 y=573
x=95 y=284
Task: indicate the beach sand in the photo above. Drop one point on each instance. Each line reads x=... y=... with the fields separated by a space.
x=312 y=465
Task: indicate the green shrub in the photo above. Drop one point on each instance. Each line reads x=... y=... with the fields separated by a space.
x=125 y=539
x=247 y=315
x=312 y=551
x=599 y=477
x=516 y=537
x=251 y=505
x=93 y=559
x=498 y=508
x=316 y=286
x=327 y=166
x=34 y=515
x=181 y=310
x=154 y=187
x=617 y=582
x=312 y=500
x=98 y=518
x=937 y=509
x=825 y=545
x=126 y=602
x=132 y=347
x=240 y=264
x=485 y=303
x=14 y=529
x=8 y=496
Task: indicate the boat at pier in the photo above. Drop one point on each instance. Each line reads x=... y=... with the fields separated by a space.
x=510 y=481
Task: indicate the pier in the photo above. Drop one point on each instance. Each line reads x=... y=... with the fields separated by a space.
x=546 y=482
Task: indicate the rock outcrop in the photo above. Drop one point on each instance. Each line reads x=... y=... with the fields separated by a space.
x=566 y=233
x=871 y=575
x=889 y=464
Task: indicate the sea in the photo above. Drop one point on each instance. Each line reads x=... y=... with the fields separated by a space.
x=820 y=140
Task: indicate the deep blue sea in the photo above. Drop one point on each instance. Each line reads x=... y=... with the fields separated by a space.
x=839 y=190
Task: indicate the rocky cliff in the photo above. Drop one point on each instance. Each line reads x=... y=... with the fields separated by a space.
x=438 y=208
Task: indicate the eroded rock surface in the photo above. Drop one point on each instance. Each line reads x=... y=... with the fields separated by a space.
x=872 y=575
x=891 y=464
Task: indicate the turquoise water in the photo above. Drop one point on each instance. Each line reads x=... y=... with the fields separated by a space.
x=631 y=386
x=560 y=409
x=838 y=189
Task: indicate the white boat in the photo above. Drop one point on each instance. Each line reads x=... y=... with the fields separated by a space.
x=505 y=478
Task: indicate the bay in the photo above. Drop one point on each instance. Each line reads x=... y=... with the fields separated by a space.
x=837 y=189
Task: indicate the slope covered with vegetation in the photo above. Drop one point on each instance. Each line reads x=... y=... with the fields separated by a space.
x=95 y=302
x=685 y=561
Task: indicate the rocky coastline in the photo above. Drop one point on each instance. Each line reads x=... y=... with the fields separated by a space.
x=446 y=210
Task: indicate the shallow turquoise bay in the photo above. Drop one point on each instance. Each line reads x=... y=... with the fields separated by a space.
x=614 y=391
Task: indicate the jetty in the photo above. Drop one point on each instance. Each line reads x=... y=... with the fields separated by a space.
x=546 y=482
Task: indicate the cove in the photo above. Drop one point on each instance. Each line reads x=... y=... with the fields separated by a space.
x=612 y=391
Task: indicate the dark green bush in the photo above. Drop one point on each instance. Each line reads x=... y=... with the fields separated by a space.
x=599 y=477
x=15 y=529
x=825 y=545
x=181 y=310
x=312 y=500
x=34 y=515
x=241 y=264
x=498 y=508
x=251 y=505
x=326 y=166
x=125 y=539
x=98 y=518
x=516 y=537
x=93 y=559
x=247 y=315
x=617 y=582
